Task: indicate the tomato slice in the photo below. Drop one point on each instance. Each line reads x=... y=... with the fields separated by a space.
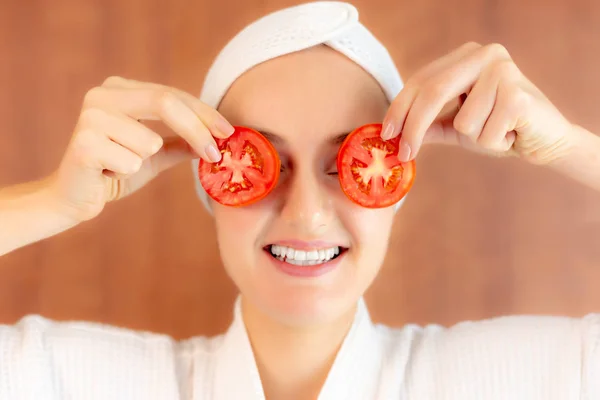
x=247 y=172
x=370 y=172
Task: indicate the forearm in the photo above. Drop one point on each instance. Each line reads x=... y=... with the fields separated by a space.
x=582 y=163
x=28 y=214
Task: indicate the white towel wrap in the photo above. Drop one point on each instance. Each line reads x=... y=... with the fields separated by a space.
x=292 y=29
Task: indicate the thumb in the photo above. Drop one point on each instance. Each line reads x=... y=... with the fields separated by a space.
x=174 y=151
x=443 y=132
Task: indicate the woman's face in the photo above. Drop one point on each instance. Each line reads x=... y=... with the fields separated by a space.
x=304 y=103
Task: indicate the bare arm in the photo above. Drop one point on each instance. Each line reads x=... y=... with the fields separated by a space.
x=497 y=111
x=582 y=162
x=111 y=155
x=28 y=214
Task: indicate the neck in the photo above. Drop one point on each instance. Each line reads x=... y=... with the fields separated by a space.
x=293 y=362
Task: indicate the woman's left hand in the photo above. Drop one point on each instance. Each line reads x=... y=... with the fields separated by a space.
x=496 y=110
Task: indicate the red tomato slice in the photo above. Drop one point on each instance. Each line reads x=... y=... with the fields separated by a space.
x=369 y=170
x=247 y=172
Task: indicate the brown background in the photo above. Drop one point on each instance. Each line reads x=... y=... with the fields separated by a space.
x=477 y=238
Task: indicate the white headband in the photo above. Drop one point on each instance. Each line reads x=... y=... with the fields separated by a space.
x=292 y=29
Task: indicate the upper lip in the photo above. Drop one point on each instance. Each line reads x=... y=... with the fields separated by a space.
x=306 y=245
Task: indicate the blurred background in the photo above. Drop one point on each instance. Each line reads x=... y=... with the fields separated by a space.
x=477 y=237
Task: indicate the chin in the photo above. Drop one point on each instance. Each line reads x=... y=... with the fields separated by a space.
x=299 y=308
x=302 y=298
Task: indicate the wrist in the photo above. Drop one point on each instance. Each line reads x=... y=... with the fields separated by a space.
x=582 y=160
x=576 y=140
x=48 y=199
x=30 y=212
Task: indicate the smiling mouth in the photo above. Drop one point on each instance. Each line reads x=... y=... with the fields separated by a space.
x=304 y=257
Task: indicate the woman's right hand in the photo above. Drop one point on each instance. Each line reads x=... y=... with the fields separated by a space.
x=112 y=154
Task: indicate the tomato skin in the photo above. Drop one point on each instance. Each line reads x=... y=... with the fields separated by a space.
x=248 y=170
x=363 y=154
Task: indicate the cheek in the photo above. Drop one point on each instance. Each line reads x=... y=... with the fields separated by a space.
x=370 y=231
x=239 y=232
x=236 y=229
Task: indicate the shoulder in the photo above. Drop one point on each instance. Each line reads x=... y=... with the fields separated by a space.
x=39 y=333
x=76 y=355
x=73 y=332
x=505 y=329
x=42 y=334
x=515 y=350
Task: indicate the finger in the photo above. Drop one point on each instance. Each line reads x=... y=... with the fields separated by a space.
x=439 y=90
x=443 y=132
x=166 y=106
x=394 y=119
x=479 y=104
x=442 y=62
x=117 y=158
x=502 y=121
x=97 y=152
x=174 y=151
x=211 y=117
x=182 y=119
x=123 y=130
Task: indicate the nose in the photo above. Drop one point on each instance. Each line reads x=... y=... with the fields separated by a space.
x=307 y=207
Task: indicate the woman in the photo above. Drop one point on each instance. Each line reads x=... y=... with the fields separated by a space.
x=303 y=77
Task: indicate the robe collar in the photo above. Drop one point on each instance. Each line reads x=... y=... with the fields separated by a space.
x=354 y=374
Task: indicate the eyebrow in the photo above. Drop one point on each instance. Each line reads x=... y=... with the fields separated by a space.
x=276 y=139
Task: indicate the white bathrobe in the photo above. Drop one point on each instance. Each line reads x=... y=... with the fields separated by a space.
x=508 y=358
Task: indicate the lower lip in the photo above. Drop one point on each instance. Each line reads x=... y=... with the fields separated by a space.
x=305 y=271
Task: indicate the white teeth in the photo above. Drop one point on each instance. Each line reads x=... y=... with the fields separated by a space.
x=300 y=262
x=289 y=253
x=301 y=257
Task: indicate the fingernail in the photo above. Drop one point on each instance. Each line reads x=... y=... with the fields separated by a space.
x=224 y=127
x=213 y=153
x=404 y=152
x=388 y=131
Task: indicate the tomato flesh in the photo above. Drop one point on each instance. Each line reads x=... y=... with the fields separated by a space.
x=370 y=172
x=247 y=172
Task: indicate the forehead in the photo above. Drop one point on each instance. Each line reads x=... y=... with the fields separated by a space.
x=308 y=95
